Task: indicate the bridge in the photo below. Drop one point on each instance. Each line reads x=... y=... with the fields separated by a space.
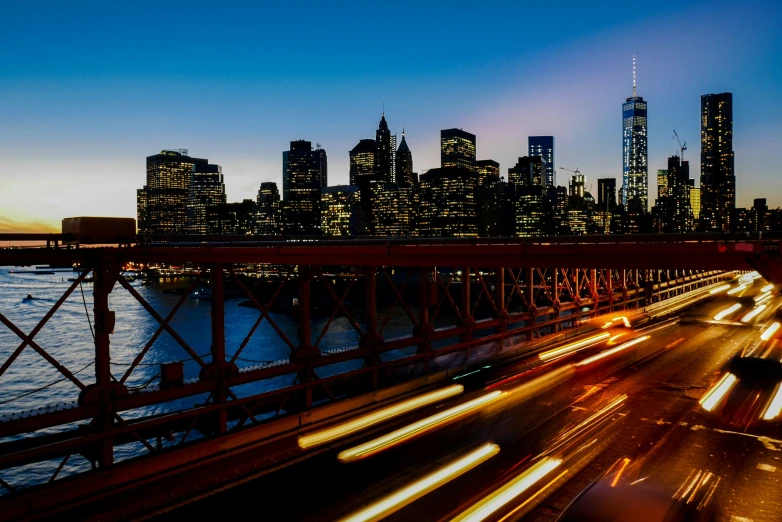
x=466 y=303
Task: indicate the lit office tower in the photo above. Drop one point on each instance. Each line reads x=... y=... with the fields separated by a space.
x=268 y=215
x=677 y=208
x=448 y=206
x=207 y=190
x=635 y=174
x=457 y=149
x=543 y=146
x=662 y=183
x=695 y=200
x=404 y=164
x=340 y=211
x=385 y=152
x=528 y=171
x=232 y=218
x=304 y=177
x=363 y=160
x=162 y=202
x=718 y=179
x=606 y=193
x=393 y=209
x=488 y=170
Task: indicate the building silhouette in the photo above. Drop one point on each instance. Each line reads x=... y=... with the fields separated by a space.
x=457 y=149
x=207 y=190
x=306 y=174
x=543 y=146
x=363 y=162
x=606 y=194
x=340 y=211
x=405 y=175
x=394 y=209
x=676 y=207
x=162 y=202
x=528 y=171
x=447 y=203
x=232 y=218
x=635 y=174
x=718 y=179
x=268 y=210
x=384 y=156
x=487 y=170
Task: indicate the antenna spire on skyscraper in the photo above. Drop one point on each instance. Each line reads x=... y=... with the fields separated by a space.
x=634 y=93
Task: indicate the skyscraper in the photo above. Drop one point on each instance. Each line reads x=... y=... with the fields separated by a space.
x=306 y=175
x=662 y=183
x=340 y=211
x=527 y=172
x=385 y=152
x=404 y=164
x=487 y=170
x=635 y=174
x=677 y=209
x=162 y=202
x=363 y=162
x=718 y=179
x=543 y=146
x=457 y=149
x=268 y=214
x=393 y=209
x=206 y=191
x=232 y=218
x=448 y=206
x=606 y=193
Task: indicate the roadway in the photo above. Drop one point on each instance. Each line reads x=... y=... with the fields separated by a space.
x=635 y=406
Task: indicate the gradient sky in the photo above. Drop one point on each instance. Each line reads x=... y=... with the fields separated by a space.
x=88 y=90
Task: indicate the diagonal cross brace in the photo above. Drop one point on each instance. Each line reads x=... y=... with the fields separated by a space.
x=160 y=320
x=260 y=318
x=43 y=321
x=264 y=312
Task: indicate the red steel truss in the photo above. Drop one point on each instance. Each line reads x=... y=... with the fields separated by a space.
x=524 y=290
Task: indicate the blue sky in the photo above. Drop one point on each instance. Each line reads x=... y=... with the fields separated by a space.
x=88 y=90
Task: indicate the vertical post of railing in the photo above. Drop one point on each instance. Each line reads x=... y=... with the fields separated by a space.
x=556 y=304
x=104 y=276
x=425 y=328
x=532 y=308
x=502 y=313
x=468 y=321
x=220 y=395
x=371 y=338
x=305 y=329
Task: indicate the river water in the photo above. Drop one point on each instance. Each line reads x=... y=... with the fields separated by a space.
x=31 y=382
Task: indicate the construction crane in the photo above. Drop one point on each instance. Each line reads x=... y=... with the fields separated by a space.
x=579 y=179
x=682 y=146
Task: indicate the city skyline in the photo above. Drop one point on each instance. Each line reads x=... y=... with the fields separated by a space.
x=68 y=145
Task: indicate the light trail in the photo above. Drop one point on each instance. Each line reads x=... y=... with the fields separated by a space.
x=719 y=289
x=594 y=420
x=613 y=339
x=718 y=391
x=751 y=315
x=421 y=487
x=720 y=316
x=497 y=499
x=775 y=406
x=764 y=297
x=346 y=428
x=612 y=351
x=402 y=434
x=573 y=347
x=767 y=288
x=625 y=462
x=770 y=331
x=737 y=289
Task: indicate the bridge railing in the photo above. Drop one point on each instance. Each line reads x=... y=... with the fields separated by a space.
x=441 y=315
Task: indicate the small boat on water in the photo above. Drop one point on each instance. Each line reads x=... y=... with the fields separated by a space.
x=202 y=292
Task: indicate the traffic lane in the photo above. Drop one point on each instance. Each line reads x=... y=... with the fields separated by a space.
x=278 y=483
x=514 y=429
x=661 y=396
